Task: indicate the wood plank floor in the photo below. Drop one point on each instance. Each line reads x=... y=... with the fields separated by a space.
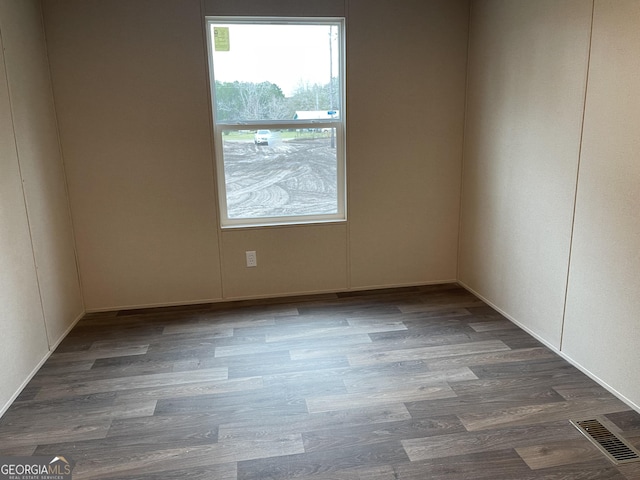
x=414 y=383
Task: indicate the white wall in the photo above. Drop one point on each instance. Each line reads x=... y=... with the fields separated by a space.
x=525 y=161
x=602 y=324
x=131 y=89
x=39 y=289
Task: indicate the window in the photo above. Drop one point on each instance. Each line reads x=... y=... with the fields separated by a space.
x=278 y=113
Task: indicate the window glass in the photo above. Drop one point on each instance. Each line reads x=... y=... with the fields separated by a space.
x=277 y=92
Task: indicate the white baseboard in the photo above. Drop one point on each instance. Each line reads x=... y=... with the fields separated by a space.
x=266 y=296
x=66 y=332
x=151 y=305
x=554 y=349
x=52 y=348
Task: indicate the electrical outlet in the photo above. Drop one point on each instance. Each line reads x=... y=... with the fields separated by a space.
x=252 y=259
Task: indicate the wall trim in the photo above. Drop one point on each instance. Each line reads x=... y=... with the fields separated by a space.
x=66 y=332
x=37 y=368
x=267 y=296
x=555 y=350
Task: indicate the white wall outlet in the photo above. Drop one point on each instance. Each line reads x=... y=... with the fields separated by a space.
x=252 y=259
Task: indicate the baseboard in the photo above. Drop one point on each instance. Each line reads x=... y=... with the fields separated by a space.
x=510 y=318
x=151 y=305
x=554 y=349
x=33 y=373
x=65 y=333
x=599 y=381
x=400 y=285
x=266 y=296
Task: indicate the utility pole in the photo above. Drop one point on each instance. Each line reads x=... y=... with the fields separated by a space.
x=333 y=135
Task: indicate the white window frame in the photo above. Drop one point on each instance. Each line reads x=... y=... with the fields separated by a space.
x=339 y=124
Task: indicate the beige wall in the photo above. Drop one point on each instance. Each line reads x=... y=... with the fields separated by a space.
x=39 y=289
x=523 y=168
x=130 y=86
x=291 y=259
x=132 y=93
x=602 y=324
x=406 y=72
x=527 y=77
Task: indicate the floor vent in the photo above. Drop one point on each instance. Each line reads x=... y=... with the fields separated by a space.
x=615 y=448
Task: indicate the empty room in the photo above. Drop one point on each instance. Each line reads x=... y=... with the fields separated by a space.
x=319 y=239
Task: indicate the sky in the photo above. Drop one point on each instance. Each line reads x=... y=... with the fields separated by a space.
x=282 y=54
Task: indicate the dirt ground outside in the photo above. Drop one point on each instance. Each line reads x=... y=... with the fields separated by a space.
x=284 y=178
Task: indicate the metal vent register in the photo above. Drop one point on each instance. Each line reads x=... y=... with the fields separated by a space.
x=615 y=448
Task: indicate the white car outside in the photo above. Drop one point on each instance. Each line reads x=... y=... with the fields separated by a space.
x=262 y=137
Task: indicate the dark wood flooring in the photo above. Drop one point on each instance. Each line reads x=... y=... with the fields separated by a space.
x=411 y=384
